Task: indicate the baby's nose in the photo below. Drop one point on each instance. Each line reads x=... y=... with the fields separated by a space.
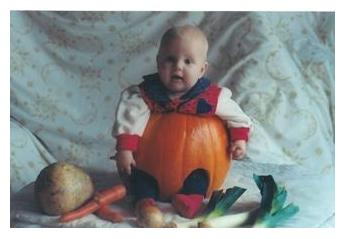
x=179 y=65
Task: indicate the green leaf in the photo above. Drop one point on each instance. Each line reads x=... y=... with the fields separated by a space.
x=225 y=201
x=279 y=199
x=229 y=198
x=276 y=219
x=285 y=213
x=215 y=198
x=268 y=188
x=272 y=211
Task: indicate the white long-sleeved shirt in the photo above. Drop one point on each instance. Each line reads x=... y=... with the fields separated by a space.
x=133 y=113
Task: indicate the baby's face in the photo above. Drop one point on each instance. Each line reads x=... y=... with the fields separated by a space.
x=181 y=62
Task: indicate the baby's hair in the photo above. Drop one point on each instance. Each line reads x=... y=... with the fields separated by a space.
x=182 y=32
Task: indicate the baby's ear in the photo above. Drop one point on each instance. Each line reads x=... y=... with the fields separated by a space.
x=158 y=61
x=204 y=69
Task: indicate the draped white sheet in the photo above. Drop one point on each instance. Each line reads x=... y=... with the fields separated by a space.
x=68 y=69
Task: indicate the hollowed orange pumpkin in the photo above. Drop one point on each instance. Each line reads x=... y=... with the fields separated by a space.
x=174 y=144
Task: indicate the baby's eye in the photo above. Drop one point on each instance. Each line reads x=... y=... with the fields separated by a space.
x=187 y=61
x=170 y=59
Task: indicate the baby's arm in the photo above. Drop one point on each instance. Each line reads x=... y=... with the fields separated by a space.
x=125 y=160
x=238 y=149
x=238 y=123
x=132 y=115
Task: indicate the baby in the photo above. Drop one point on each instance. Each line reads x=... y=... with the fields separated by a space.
x=182 y=64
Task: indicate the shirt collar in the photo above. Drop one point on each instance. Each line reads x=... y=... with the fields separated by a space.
x=157 y=91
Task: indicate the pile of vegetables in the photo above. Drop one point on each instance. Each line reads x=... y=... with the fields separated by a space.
x=272 y=211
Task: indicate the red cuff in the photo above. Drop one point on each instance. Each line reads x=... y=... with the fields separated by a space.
x=127 y=142
x=239 y=134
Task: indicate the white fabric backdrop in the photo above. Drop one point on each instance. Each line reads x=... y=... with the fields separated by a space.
x=68 y=69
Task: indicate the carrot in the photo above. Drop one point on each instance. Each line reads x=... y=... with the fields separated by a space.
x=81 y=212
x=100 y=199
x=106 y=213
x=110 y=195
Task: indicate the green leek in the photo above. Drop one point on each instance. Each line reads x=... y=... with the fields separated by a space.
x=270 y=213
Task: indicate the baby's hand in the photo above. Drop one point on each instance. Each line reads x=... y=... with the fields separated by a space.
x=125 y=160
x=238 y=149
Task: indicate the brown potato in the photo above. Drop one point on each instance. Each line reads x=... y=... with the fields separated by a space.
x=62 y=187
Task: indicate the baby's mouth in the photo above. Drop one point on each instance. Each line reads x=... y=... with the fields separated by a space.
x=176 y=77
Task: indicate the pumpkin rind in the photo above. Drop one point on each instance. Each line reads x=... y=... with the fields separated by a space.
x=174 y=144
